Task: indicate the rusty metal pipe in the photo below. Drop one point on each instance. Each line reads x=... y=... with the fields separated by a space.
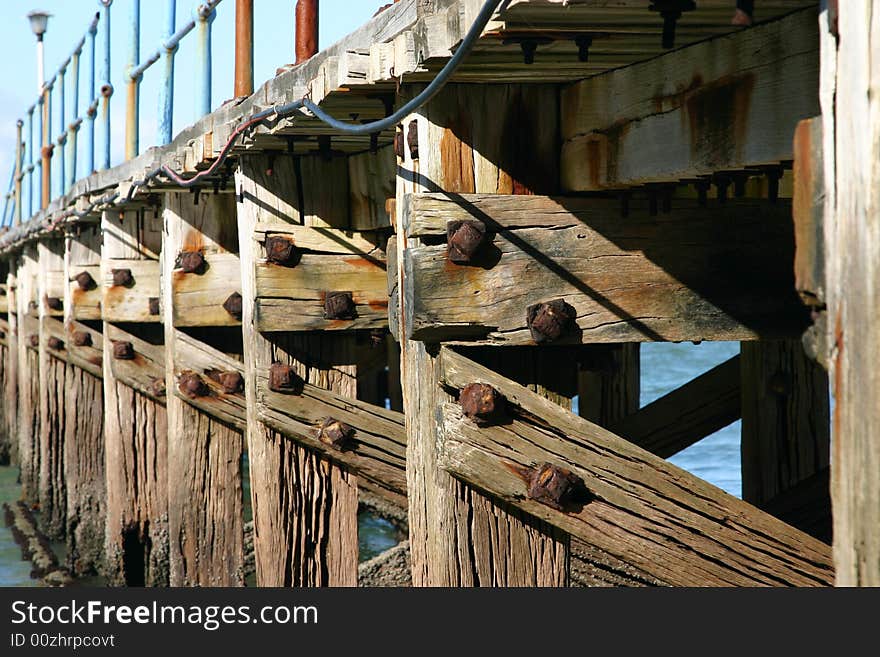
x=244 y=48
x=306 y=29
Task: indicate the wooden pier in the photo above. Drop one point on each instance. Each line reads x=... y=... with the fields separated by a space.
x=403 y=320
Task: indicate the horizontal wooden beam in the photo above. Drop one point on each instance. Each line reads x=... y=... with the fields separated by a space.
x=290 y=297
x=806 y=505
x=131 y=302
x=635 y=506
x=722 y=272
x=688 y=414
x=89 y=356
x=86 y=300
x=4 y=298
x=145 y=371
x=723 y=104
x=199 y=297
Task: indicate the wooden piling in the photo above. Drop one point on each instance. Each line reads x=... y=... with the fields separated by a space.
x=28 y=367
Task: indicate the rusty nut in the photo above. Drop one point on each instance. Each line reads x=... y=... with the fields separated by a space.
x=281 y=250
x=191 y=385
x=335 y=433
x=85 y=281
x=157 y=387
x=123 y=350
x=34 y=340
x=464 y=239
x=283 y=378
x=231 y=382
x=56 y=344
x=2 y=291
x=552 y=485
x=482 y=403
x=82 y=338
x=191 y=262
x=122 y=277
x=550 y=320
x=339 y=305
x=54 y=303
x=232 y=305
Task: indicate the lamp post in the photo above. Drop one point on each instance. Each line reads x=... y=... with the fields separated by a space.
x=39 y=20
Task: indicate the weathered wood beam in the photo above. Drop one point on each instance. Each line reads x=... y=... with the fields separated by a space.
x=28 y=369
x=686 y=415
x=10 y=368
x=609 y=382
x=200 y=269
x=635 y=506
x=724 y=104
x=720 y=273
x=806 y=505
x=83 y=273
x=88 y=356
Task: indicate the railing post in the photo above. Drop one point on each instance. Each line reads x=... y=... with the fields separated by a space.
x=106 y=87
x=244 y=48
x=19 y=152
x=132 y=82
x=204 y=16
x=62 y=129
x=75 y=121
x=30 y=158
x=92 y=109
x=306 y=29
x=166 y=92
x=46 y=151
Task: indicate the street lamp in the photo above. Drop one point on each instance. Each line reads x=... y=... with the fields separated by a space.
x=39 y=20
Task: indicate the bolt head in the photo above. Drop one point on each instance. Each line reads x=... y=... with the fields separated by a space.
x=339 y=305
x=122 y=277
x=552 y=485
x=154 y=305
x=281 y=250
x=191 y=262
x=34 y=340
x=123 y=350
x=191 y=385
x=85 y=281
x=551 y=320
x=283 y=378
x=157 y=387
x=482 y=403
x=54 y=303
x=232 y=382
x=334 y=433
x=232 y=305
x=56 y=344
x=464 y=239
x=82 y=338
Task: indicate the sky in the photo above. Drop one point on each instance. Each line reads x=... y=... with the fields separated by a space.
x=273 y=47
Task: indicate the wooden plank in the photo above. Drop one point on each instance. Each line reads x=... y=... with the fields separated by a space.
x=28 y=370
x=198 y=298
x=292 y=298
x=371 y=181
x=4 y=298
x=10 y=369
x=639 y=507
x=686 y=415
x=727 y=103
x=130 y=303
x=88 y=357
x=86 y=303
x=143 y=370
x=720 y=273
x=609 y=381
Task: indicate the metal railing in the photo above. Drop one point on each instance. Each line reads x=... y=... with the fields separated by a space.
x=58 y=159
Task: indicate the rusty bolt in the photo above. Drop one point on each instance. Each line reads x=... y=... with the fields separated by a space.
x=2 y=291
x=82 y=338
x=482 y=403
x=122 y=277
x=339 y=305
x=85 y=281
x=412 y=139
x=191 y=385
x=232 y=382
x=552 y=485
x=34 y=340
x=191 y=262
x=282 y=378
x=123 y=350
x=54 y=303
x=57 y=344
x=157 y=387
x=232 y=305
x=281 y=250
x=154 y=305
x=464 y=239
x=550 y=320
x=335 y=433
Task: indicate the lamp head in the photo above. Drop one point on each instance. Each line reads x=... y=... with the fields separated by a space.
x=38 y=20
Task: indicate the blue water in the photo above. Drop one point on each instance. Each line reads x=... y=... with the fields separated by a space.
x=664 y=368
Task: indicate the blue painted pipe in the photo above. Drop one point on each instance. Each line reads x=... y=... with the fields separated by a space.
x=203 y=16
x=73 y=126
x=106 y=86
x=92 y=109
x=166 y=93
x=30 y=158
x=62 y=130
x=132 y=96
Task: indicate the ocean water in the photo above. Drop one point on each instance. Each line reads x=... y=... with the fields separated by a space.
x=664 y=367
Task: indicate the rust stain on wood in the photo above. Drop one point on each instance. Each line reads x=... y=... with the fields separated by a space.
x=457 y=159
x=718 y=117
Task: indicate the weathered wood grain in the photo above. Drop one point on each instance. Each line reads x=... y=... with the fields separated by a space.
x=722 y=272
x=723 y=104
x=10 y=369
x=120 y=303
x=28 y=369
x=641 y=508
x=679 y=419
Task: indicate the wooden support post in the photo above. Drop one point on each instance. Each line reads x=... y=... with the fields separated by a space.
x=84 y=401
x=305 y=507
x=458 y=537
x=135 y=426
x=785 y=426
x=28 y=374
x=53 y=383
x=608 y=382
x=853 y=269
x=205 y=498
x=10 y=366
